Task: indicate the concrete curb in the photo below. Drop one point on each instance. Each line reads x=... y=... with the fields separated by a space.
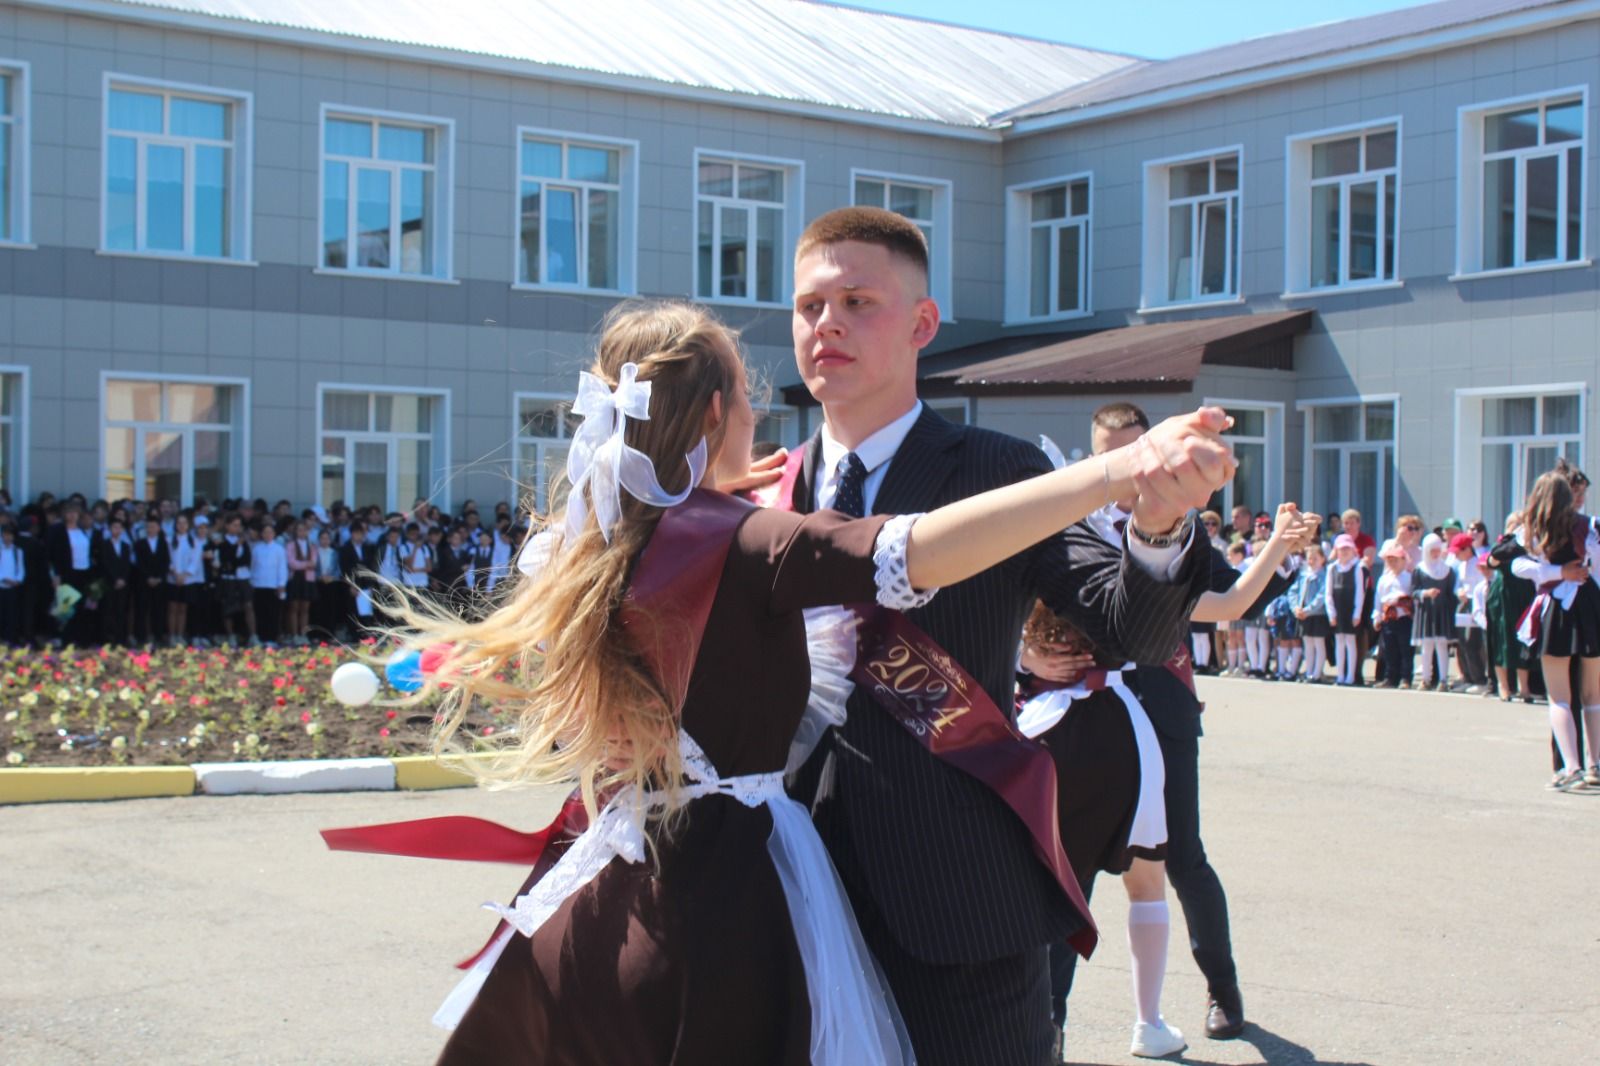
x=59 y=784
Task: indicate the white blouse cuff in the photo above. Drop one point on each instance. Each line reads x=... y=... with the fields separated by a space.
x=889 y=555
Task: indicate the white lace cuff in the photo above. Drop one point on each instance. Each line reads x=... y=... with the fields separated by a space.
x=889 y=554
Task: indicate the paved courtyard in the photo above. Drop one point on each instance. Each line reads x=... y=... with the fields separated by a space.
x=1403 y=891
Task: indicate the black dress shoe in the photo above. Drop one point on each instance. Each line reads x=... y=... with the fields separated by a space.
x=1224 y=1014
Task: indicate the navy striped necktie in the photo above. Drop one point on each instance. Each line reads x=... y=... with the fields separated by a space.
x=851 y=497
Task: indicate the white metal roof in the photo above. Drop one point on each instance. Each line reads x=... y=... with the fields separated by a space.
x=793 y=50
x=1156 y=76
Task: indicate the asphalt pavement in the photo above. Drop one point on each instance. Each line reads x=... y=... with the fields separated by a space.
x=1403 y=891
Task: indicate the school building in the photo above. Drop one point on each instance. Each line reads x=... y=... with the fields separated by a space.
x=358 y=251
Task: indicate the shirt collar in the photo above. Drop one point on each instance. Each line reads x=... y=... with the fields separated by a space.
x=877 y=449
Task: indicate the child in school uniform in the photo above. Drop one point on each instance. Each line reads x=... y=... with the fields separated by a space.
x=1433 y=588
x=391 y=555
x=1392 y=613
x=269 y=580
x=186 y=577
x=1345 y=599
x=1238 y=558
x=416 y=559
x=1470 y=651
x=1308 y=597
x=300 y=556
x=13 y=573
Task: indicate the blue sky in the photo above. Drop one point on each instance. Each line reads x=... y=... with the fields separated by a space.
x=1155 y=29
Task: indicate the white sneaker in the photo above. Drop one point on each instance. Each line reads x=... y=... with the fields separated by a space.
x=1156 y=1041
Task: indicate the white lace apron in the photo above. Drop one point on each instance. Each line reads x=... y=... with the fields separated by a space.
x=853 y=1019
x=1042 y=712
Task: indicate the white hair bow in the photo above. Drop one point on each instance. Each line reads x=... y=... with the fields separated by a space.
x=601 y=460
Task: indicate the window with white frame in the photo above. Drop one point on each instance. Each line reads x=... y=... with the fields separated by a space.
x=574 y=225
x=1257 y=440
x=1343 y=211
x=957 y=409
x=777 y=424
x=176 y=170
x=13 y=154
x=384 y=448
x=181 y=438
x=1192 y=216
x=1522 y=183
x=1351 y=460
x=1506 y=440
x=924 y=201
x=1057 y=246
x=746 y=211
x=544 y=428
x=13 y=432
x=385 y=194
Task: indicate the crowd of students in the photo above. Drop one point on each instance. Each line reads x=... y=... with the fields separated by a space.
x=146 y=574
x=1518 y=613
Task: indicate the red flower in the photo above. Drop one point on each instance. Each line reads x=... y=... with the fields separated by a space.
x=384 y=731
x=488 y=730
x=389 y=713
x=280 y=701
x=243 y=683
x=278 y=682
x=305 y=716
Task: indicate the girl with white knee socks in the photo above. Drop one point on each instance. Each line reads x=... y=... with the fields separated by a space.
x=1345 y=600
x=1308 y=598
x=1433 y=592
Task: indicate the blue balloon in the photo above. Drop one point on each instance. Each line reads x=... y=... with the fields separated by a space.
x=404 y=670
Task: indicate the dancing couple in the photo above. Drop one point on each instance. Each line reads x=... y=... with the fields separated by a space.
x=807 y=832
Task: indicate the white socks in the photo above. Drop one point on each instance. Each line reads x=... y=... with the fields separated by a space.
x=1566 y=734
x=1202 y=649
x=1435 y=650
x=1344 y=648
x=1316 y=655
x=1148 y=926
x=1293 y=666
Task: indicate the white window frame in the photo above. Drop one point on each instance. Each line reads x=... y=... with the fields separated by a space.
x=439 y=437
x=18 y=226
x=519 y=473
x=942 y=256
x=241 y=212
x=627 y=211
x=1019 y=229
x=1470 y=158
x=794 y=181
x=1272 y=450
x=239 y=430
x=1298 y=220
x=1307 y=409
x=443 y=166
x=19 y=427
x=1153 y=271
x=1467 y=497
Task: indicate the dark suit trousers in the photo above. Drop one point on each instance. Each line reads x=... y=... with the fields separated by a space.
x=149 y=609
x=11 y=614
x=1199 y=890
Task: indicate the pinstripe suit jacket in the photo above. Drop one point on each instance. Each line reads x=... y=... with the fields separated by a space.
x=934 y=854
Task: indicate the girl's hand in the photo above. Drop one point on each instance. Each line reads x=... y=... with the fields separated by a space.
x=1054 y=662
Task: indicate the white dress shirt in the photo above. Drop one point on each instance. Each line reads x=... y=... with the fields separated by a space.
x=79 y=539
x=269 y=565
x=11 y=565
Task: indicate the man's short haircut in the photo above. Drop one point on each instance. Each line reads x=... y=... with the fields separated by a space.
x=1350 y=513
x=867 y=225
x=1120 y=415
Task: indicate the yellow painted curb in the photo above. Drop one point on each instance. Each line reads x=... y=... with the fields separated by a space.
x=426 y=771
x=45 y=784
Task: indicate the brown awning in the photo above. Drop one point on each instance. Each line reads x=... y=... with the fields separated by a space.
x=1162 y=357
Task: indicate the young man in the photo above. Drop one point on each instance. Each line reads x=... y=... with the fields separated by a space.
x=72 y=560
x=358 y=562
x=114 y=552
x=152 y=559
x=941 y=873
x=269 y=580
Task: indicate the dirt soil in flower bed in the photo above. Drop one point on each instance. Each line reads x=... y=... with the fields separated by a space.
x=175 y=706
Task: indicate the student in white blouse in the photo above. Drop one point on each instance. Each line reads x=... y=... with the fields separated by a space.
x=13 y=571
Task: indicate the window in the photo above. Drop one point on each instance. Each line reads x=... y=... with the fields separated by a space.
x=384 y=448
x=1508 y=438
x=1522 y=182
x=385 y=194
x=13 y=154
x=574 y=225
x=1192 y=230
x=777 y=424
x=747 y=214
x=544 y=428
x=1048 y=245
x=1257 y=439
x=1343 y=210
x=925 y=201
x=176 y=170
x=178 y=437
x=957 y=409
x=1351 y=458
x=13 y=431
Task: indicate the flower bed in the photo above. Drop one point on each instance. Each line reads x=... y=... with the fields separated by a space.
x=175 y=706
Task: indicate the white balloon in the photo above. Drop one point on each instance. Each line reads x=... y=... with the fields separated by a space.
x=354 y=684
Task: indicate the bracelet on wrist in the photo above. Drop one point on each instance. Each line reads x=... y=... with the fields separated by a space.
x=1173 y=536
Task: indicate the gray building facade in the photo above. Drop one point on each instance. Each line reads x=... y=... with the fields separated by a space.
x=241 y=256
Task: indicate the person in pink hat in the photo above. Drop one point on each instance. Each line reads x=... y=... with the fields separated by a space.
x=1346 y=599
x=1470 y=651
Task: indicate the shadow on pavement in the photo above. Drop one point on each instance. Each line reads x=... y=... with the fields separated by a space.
x=1280 y=1051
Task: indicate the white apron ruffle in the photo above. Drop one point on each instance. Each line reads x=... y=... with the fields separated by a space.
x=853 y=1016
x=1041 y=714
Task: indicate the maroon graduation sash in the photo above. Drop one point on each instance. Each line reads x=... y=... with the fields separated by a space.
x=942 y=707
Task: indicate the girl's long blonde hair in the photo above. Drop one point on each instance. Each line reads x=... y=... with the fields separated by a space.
x=1547 y=519
x=589 y=710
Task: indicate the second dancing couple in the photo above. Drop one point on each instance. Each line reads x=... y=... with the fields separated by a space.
x=894 y=900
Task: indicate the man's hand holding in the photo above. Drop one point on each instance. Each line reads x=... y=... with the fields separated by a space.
x=1178 y=465
x=763 y=472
